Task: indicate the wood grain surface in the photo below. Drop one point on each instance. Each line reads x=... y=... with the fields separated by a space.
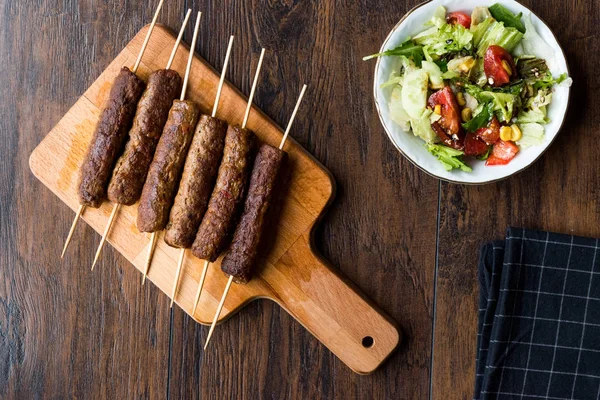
x=409 y=242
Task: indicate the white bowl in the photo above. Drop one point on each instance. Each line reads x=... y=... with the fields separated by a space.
x=413 y=147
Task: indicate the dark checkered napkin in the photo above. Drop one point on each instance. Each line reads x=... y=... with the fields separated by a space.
x=539 y=318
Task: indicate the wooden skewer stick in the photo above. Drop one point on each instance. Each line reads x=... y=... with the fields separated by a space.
x=200 y=285
x=149 y=258
x=169 y=63
x=117 y=206
x=191 y=57
x=214 y=112
x=218 y=313
x=183 y=90
x=223 y=73
x=174 y=51
x=179 y=264
x=248 y=108
x=73 y=225
x=228 y=286
x=287 y=130
x=134 y=70
x=147 y=38
x=114 y=212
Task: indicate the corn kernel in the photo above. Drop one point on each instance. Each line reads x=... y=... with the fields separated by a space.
x=460 y=98
x=467 y=65
x=506 y=67
x=516 y=132
x=506 y=133
x=438 y=109
x=466 y=114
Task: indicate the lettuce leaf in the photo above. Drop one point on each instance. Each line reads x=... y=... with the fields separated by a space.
x=491 y=32
x=542 y=98
x=450 y=158
x=504 y=103
x=408 y=49
x=395 y=79
x=479 y=15
x=533 y=135
x=483 y=116
x=439 y=17
x=537 y=115
x=503 y=14
x=446 y=39
x=547 y=81
x=533 y=43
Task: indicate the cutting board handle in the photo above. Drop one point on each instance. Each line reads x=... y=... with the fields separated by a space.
x=333 y=309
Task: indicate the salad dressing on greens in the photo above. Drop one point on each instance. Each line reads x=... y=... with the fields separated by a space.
x=473 y=86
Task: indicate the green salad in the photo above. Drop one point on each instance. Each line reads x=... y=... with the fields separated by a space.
x=473 y=87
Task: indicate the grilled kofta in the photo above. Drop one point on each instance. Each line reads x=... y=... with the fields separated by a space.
x=109 y=138
x=152 y=112
x=197 y=182
x=242 y=254
x=228 y=195
x=165 y=170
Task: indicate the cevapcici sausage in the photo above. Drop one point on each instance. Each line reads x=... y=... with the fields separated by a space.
x=197 y=181
x=165 y=170
x=240 y=259
x=228 y=195
x=109 y=137
x=152 y=112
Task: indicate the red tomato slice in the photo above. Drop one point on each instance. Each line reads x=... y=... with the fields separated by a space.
x=494 y=70
x=447 y=140
x=502 y=153
x=448 y=127
x=474 y=146
x=491 y=134
x=459 y=17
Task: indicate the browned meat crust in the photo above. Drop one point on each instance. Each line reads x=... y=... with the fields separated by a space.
x=109 y=138
x=152 y=112
x=227 y=197
x=240 y=259
x=197 y=181
x=164 y=173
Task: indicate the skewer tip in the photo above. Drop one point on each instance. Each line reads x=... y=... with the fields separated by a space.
x=218 y=313
x=73 y=225
x=181 y=31
x=222 y=79
x=200 y=285
x=149 y=258
x=111 y=219
x=94 y=263
x=249 y=105
x=289 y=125
x=191 y=56
x=177 y=274
x=147 y=38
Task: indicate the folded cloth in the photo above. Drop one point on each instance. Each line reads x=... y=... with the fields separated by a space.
x=539 y=317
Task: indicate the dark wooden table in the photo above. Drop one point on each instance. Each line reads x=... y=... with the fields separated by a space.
x=409 y=241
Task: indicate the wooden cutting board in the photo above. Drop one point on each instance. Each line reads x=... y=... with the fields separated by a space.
x=291 y=273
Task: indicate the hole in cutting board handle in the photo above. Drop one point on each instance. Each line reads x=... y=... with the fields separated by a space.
x=368 y=342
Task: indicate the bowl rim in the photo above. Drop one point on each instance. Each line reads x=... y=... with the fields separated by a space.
x=458 y=182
